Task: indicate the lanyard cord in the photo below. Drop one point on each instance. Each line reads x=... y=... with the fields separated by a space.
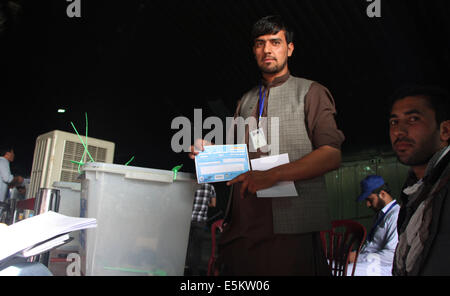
x=261 y=102
x=372 y=232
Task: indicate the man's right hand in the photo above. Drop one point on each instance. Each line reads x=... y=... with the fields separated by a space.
x=198 y=147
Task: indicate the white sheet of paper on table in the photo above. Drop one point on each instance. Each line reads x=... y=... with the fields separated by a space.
x=281 y=189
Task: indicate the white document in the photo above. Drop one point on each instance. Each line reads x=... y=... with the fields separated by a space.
x=281 y=189
x=29 y=233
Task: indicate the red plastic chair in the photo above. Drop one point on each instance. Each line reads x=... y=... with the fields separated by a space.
x=13 y=206
x=212 y=259
x=337 y=245
x=26 y=204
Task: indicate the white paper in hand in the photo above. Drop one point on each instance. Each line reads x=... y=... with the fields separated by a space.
x=281 y=189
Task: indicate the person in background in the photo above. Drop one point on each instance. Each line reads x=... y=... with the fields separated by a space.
x=419 y=128
x=205 y=197
x=21 y=192
x=377 y=253
x=16 y=266
x=7 y=179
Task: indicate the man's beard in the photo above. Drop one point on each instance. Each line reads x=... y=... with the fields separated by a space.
x=421 y=155
x=417 y=159
x=272 y=70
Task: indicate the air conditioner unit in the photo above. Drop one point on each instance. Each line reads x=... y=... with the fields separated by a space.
x=53 y=156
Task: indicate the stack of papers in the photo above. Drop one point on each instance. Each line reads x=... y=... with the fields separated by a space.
x=45 y=246
x=39 y=233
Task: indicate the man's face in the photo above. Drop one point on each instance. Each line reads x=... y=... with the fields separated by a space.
x=10 y=155
x=22 y=190
x=374 y=202
x=413 y=131
x=272 y=52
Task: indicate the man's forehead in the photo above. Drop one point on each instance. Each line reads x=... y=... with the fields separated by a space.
x=279 y=35
x=417 y=104
x=371 y=196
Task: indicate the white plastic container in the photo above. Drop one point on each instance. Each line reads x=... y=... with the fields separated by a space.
x=143 y=220
x=69 y=205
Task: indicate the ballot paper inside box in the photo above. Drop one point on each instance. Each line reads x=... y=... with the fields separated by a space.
x=143 y=218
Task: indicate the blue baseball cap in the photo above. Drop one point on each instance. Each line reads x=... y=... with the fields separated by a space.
x=369 y=184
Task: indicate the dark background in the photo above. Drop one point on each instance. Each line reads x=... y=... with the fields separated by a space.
x=134 y=66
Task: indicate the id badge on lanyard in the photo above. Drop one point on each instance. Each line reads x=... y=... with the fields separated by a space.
x=257 y=136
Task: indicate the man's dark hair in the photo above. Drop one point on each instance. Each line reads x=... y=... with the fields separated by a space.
x=271 y=24
x=438 y=99
x=5 y=148
x=384 y=187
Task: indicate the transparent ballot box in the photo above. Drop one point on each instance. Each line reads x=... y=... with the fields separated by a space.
x=143 y=220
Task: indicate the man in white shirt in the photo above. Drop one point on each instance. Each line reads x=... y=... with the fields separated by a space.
x=377 y=254
x=6 y=178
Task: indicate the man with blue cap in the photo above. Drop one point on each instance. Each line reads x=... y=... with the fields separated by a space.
x=377 y=254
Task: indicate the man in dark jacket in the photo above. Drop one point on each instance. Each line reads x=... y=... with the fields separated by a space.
x=420 y=131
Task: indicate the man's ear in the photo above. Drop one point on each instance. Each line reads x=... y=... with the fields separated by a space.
x=290 y=49
x=383 y=194
x=445 y=131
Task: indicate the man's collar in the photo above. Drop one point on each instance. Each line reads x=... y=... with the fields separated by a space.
x=386 y=207
x=442 y=153
x=277 y=81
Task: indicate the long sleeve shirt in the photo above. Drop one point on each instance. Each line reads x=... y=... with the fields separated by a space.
x=385 y=238
x=5 y=177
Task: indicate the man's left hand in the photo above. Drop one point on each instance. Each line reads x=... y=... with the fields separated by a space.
x=254 y=181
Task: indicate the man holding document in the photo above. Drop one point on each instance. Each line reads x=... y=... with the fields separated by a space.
x=277 y=209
